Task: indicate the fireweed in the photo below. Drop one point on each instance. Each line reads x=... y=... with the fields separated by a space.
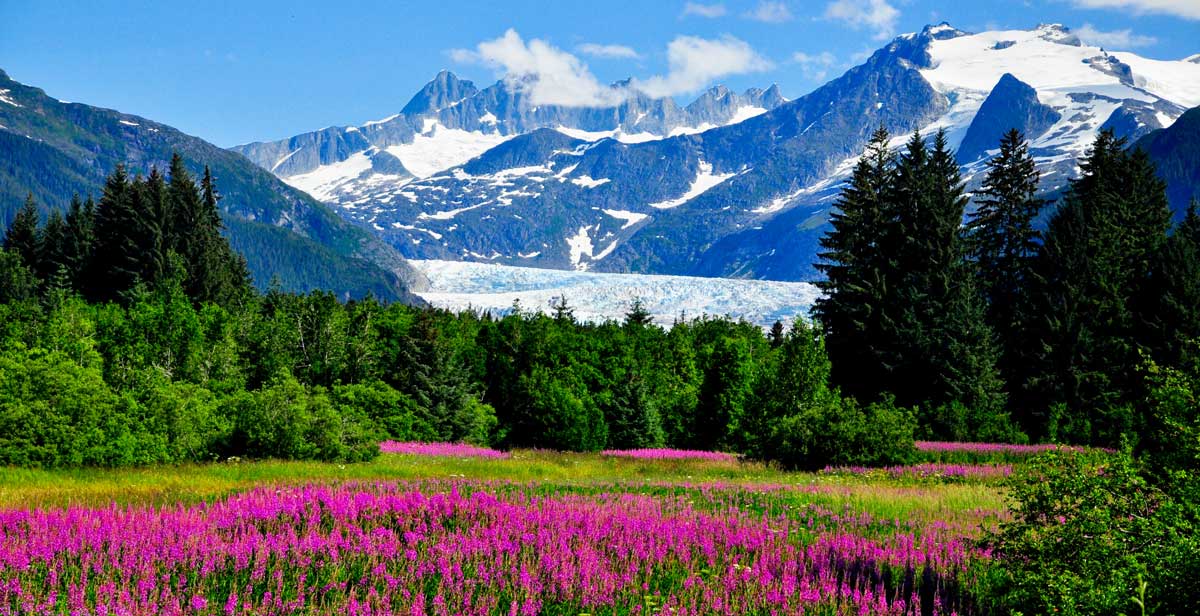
x=669 y=454
x=951 y=472
x=457 y=547
x=461 y=450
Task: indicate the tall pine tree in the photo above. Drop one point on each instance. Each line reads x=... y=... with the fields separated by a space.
x=21 y=237
x=79 y=243
x=1003 y=244
x=853 y=262
x=1094 y=264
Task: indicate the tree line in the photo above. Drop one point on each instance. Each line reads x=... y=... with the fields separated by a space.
x=130 y=335
x=994 y=329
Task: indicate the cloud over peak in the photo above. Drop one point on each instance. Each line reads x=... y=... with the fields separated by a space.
x=550 y=76
x=876 y=15
x=1116 y=39
x=547 y=74
x=694 y=62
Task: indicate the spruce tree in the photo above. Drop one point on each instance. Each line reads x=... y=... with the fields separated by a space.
x=853 y=261
x=1003 y=244
x=115 y=268
x=1092 y=268
x=1170 y=306
x=218 y=273
x=153 y=217
x=21 y=237
x=52 y=266
x=944 y=352
x=79 y=241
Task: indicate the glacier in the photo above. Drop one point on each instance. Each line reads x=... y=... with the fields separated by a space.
x=597 y=297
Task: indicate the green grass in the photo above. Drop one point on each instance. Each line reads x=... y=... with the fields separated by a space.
x=166 y=485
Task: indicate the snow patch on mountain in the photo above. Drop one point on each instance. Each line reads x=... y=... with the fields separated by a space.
x=587 y=181
x=323 y=182
x=596 y=297
x=439 y=148
x=6 y=97
x=578 y=246
x=745 y=113
x=705 y=180
x=630 y=218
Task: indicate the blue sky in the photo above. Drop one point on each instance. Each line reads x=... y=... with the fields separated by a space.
x=233 y=72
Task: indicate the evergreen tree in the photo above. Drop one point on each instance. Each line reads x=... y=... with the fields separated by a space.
x=150 y=200
x=1170 y=306
x=115 y=268
x=1093 y=265
x=79 y=241
x=52 y=263
x=1003 y=244
x=218 y=273
x=853 y=261
x=776 y=334
x=21 y=237
x=17 y=282
x=638 y=316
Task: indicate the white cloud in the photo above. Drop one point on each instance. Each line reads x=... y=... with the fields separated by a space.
x=875 y=15
x=704 y=10
x=770 y=11
x=548 y=75
x=597 y=50
x=1116 y=39
x=815 y=66
x=694 y=62
x=1188 y=9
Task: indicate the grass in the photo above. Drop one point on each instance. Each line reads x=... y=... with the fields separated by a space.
x=185 y=484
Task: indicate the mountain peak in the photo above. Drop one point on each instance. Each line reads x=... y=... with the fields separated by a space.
x=941 y=31
x=444 y=90
x=1194 y=59
x=1057 y=33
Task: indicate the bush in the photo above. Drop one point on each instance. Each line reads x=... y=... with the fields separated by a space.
x=844 y=433
x=393 y=412
x=558 y=413
x=55 y=413
x=286 y=420
x=189 y=417
x=1084 y=534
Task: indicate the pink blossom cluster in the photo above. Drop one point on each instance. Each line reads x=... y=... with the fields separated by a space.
x=470 y=548
x=998 y=448
x=928 y=471
x=670 y=454
x=462 y=450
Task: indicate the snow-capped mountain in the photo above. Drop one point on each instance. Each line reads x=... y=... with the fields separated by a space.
x=450 y=121
x=644 y=187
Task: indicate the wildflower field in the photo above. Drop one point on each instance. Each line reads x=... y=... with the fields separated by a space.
x=446 y=531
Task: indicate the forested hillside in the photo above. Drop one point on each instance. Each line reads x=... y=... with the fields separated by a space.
x=992 y=331
x=55 y=150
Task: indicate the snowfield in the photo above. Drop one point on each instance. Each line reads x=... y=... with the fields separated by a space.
x=458 y=285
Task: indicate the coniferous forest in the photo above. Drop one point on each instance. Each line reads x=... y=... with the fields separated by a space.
x=929 y=328
x=130 y=335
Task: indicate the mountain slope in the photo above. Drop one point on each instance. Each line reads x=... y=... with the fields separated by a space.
x=1176 y=152
x=449 y=121
x=747 y=199
x=55 y=149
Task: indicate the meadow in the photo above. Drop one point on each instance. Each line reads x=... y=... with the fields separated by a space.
x=451 y=530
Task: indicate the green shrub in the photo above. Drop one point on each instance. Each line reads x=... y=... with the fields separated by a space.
x=1083 y=534
x=394 y=412
x=843 y=432
x=55 y=413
